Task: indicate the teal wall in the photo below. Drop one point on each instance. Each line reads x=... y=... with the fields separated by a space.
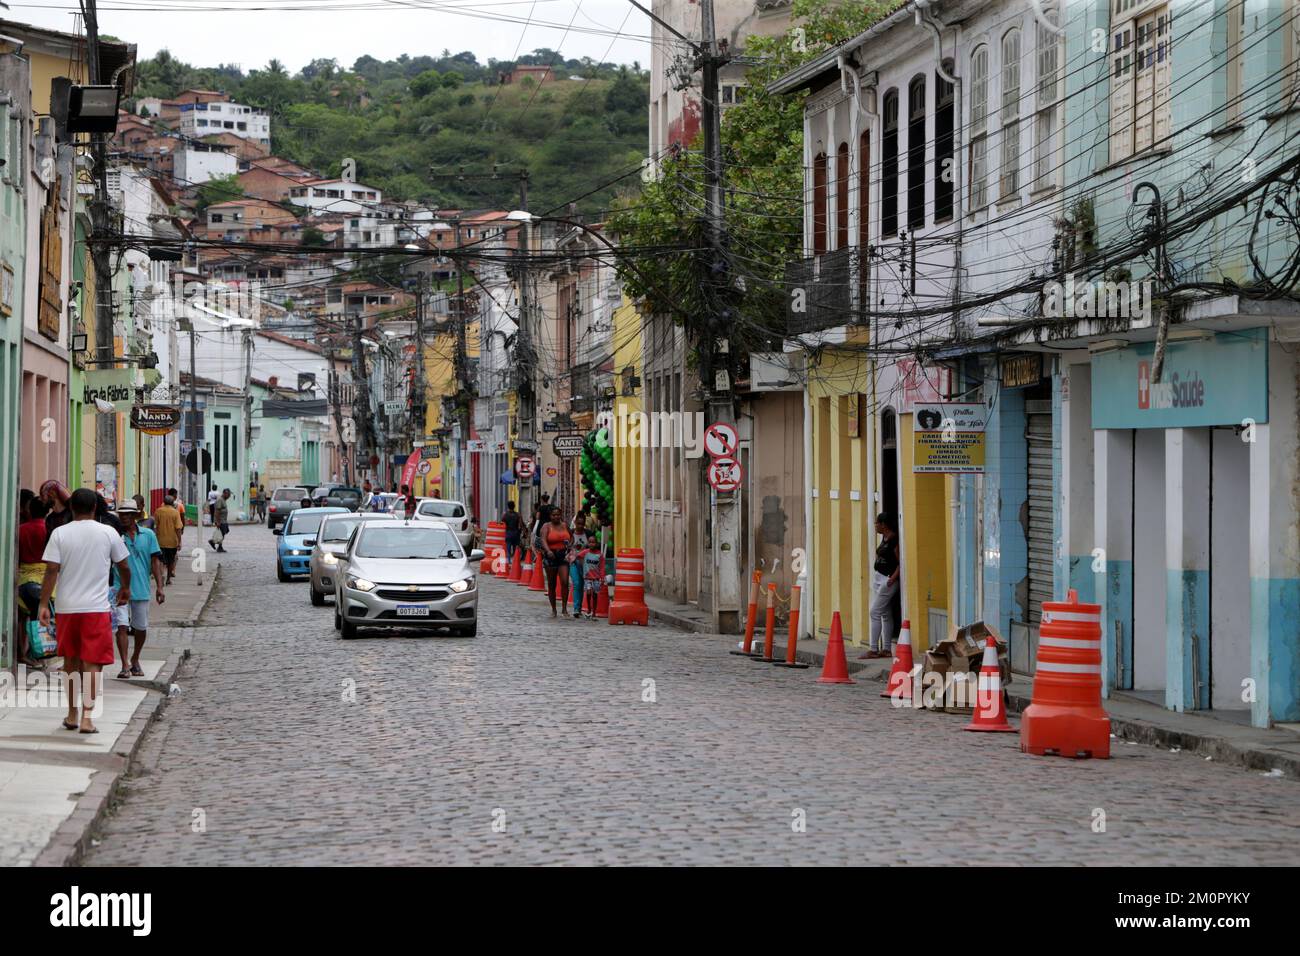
x=13 y=228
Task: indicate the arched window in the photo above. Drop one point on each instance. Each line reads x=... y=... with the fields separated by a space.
x=979 y=127
x=1009 y=174
x=944 y=174
x=916 y=153
x=842 y=197
x=819 y=204
x=889 y=168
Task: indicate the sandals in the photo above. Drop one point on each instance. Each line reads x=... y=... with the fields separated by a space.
x=124 y=675
x=136 y=671
x=92 y=730
x=70 y=726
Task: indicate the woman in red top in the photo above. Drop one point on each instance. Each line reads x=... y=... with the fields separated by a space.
x=556 y=538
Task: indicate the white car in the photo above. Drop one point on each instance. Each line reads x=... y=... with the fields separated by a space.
x=452 y=512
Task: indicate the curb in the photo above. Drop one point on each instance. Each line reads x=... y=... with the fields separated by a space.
x=72 y=838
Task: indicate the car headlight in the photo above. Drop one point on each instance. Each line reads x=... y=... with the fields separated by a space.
x=465 y=585
x=360 y=584
x=329 y=558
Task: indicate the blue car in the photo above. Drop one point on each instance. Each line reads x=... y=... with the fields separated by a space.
x=293 y=550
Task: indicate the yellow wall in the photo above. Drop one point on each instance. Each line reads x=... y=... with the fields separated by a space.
x=843 y=537
x=926 y=520
x=45 y=67
x=440 y=380
x=628 y=503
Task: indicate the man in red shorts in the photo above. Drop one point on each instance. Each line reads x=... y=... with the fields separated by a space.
x=78 y=557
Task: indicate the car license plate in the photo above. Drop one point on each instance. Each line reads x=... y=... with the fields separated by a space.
x=412 y=610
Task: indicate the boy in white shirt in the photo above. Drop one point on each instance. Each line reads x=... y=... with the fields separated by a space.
x=77 y=557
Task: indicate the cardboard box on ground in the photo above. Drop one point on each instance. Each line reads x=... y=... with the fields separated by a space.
x=957 y=659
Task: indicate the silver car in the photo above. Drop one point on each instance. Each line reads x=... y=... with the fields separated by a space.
x=331 y=542
x=406 y=574
x=453 y=512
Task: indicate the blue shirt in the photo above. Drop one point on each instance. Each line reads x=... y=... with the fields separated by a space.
x=140 y=550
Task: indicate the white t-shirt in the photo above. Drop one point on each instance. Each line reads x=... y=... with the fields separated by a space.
x=212 y=497
x=84 y=551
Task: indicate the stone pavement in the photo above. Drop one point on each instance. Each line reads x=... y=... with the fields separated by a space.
x=49 y=776
x=556 y=741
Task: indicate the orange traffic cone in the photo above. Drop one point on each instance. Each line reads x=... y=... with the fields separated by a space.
x=514 y=567
x=990 y=705
x=538 y=582
x=899 y=684
x=526 y=568
x=836 y=668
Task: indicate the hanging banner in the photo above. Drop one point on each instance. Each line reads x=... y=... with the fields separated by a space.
x=948 y=438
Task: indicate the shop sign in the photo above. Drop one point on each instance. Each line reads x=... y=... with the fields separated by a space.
x=568 y=446
x=155 y=419
x=1220 y=381
x=1020 y=370
x=114 y=385
x=948 y=438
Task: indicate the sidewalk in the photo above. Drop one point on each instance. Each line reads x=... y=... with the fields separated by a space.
x=54 y=784
x=1131 y=719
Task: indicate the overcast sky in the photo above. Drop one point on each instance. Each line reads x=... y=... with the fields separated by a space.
x=210 y=32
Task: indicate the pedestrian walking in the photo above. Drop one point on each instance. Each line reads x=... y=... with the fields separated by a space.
x=556 y=537
x=580 y=542
x=212 y=504
x=259 y=503
x=408 y=502
x=55 y=495
x=32 y=538
x=514 y=523
x=884 y=587
x=592 y=572
x=220 y=516
x=78 y=557
x=144 y=557
x=142 y=520
x=168 y=527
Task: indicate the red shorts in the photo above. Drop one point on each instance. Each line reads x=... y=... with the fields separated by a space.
x=85 y=637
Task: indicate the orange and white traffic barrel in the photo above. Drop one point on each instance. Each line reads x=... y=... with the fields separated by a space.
x=628 y=605
x=495 y=544
x=1066 y=717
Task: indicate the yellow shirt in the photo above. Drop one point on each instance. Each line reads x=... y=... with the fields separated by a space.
x=168 y=527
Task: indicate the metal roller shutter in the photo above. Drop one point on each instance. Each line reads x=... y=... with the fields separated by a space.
x=1038 y=433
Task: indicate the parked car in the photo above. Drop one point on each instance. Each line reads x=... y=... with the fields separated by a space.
x=284 y=501
x=400 y=573
x=297 y=537
x=453 y=512
x=332 y=541
x=335 y=495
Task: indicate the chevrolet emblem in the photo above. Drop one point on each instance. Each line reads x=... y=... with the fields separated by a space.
x=412 y=587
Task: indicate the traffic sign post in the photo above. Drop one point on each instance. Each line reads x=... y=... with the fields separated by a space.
x=524 y=466
x=721 y=440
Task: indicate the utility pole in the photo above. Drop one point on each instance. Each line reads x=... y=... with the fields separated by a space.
x=714 y=345
x=360 y=424
x=526 y=389
x=101 y=230
x=196 y=443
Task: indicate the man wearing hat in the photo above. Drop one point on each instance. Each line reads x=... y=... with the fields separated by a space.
x=144 y=557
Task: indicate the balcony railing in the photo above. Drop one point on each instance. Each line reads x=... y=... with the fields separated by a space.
x=824 y=292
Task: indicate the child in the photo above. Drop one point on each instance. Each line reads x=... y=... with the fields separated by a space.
x=591 y=573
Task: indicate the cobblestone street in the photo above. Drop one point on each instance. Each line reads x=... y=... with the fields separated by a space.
x=540 y=727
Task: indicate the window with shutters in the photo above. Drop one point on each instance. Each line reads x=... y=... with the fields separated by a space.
x=842 y=197
x=979 y=128
x=1009 y=117
x=944 y=175
x=1049 y=45
x=916 y=153
x=1234 y=63
x=819 y=204
x=1141 y=47
x=864 y=210
x=889 y=169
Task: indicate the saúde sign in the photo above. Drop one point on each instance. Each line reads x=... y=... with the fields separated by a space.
x=155 y=419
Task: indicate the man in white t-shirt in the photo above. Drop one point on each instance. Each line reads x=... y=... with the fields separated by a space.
x=78 y=556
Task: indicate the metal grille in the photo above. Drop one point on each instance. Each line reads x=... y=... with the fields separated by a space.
x=819 y=292
x=1038 y=432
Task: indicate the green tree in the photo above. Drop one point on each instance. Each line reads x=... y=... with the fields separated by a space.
x=426 y=83
x=219 y=189
x=762 y=139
